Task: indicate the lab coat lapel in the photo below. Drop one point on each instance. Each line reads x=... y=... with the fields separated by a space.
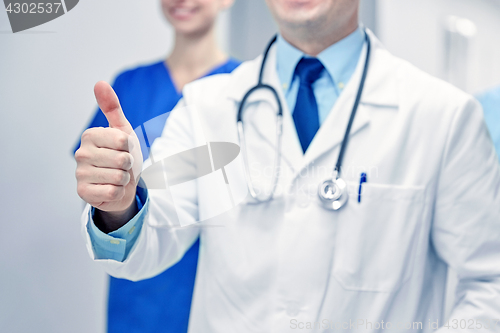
x=331 y=132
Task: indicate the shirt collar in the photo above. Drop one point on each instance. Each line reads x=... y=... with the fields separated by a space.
x=339 y=59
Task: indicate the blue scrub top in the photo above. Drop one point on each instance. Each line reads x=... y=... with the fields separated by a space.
x=162 y=303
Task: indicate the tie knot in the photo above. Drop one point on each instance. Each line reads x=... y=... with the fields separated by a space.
x=309 y=70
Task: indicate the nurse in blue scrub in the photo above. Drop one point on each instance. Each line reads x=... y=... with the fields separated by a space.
x=162 y=304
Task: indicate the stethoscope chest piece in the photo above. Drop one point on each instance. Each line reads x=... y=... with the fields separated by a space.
x=333 y=193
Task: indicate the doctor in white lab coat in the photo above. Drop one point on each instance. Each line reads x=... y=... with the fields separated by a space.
x=431 y=200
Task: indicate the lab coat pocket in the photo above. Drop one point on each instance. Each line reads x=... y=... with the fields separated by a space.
x=377 y=238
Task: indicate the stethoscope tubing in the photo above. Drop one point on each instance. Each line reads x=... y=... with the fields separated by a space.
x=279 y=124
x=345 y=140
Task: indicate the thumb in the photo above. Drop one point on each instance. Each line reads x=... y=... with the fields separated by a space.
x=110 y=106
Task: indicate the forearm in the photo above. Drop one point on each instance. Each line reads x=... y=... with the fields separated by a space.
x=110 y=221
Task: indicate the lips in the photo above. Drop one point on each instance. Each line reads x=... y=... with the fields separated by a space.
x=301 y=3
x=182 y=13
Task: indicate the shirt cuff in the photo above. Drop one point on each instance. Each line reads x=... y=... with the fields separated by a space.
x=117 y=244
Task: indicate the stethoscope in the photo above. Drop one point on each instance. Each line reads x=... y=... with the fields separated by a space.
x=332 y=192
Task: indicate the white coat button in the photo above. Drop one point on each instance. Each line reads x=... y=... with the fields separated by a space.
x=292 y=309
x=115 y=241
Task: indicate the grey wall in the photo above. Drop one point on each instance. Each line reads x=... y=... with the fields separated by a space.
x=252 y=27
x=414 y=30
x=47 y=282
x=368 y=14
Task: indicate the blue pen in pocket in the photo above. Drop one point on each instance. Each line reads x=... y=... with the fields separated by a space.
x=361 y=181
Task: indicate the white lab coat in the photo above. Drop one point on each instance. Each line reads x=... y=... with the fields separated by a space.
x=432 y=199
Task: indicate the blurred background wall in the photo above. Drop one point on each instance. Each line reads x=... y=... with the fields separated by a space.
x=47 y=281
x=415 y=30
x=47 y=74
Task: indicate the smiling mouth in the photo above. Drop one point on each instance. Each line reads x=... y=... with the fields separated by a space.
x=182 y=13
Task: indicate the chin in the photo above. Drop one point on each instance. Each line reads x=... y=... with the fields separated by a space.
x=298 y=11
x=188 y=21
x=300 y=18
x=192 y=26
x=192 y=29
x=304 y=6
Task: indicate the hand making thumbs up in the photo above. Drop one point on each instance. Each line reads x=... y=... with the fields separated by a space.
x=109 y=162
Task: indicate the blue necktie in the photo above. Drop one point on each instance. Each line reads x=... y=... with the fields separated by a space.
x=305 y=114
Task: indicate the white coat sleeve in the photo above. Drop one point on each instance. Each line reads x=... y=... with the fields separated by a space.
x=162 y=242
x=466 y=226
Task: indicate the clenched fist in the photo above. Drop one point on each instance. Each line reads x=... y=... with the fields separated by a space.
x=109 y=163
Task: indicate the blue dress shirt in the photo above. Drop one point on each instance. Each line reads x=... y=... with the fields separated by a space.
x=340 y=61
x=490 y=101
x=117 y=244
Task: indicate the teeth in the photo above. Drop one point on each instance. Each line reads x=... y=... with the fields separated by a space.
x=182 y=11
